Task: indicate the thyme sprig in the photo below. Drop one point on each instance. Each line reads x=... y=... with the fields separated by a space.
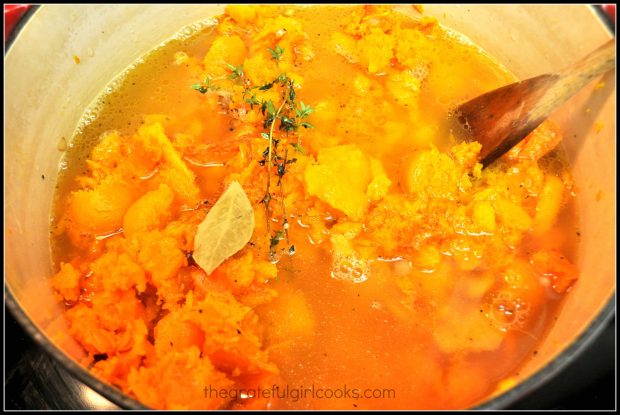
x=204 y=87
x=236 y=71
x=276 y=53
x=286 y=119
x=289 y=120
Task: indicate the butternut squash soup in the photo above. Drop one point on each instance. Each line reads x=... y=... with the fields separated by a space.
x=274 y=212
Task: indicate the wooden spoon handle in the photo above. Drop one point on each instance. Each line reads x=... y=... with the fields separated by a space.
x=597 y=62
x=575 y=77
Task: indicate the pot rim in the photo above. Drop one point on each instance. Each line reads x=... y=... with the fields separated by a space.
x=502 y=401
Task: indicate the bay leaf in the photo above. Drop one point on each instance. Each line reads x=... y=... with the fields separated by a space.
x=226 y=229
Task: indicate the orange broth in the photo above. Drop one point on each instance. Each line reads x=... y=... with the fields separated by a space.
x=417 y=278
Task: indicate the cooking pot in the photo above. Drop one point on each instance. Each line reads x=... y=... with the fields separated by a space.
x=47 y=92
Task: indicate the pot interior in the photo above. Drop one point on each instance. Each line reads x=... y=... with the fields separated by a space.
x=47 y=93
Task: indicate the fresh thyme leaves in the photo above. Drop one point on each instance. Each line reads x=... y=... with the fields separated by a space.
x=277 y=52
x=304 y=110
x=285 y=120
x=237 y=71
x=291 y=91
x=252 y=101
x=288 y=118
x=299 y=148
x=273 y=143
x=200 y=88
x=269 y=107
x=287 y=124
x=281 y=171
x=272 y=154
x=205 y=86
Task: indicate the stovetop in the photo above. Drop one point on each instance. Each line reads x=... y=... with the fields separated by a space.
x=34 y=380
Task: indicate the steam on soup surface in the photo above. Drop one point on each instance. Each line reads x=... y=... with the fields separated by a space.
x=383 y=260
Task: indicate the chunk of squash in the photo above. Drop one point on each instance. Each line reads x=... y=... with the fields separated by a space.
x=177 y=381
x=375 y=50
x=102 y=209
x=433 y=174
x=554 y=265
x=113 y=271
x=67 y=282
x=483 y=216
x=173 y=171
x=224 y=51
x=260 y=69
x=404 y=86
x=341 y=178
x=512 y=215
x=346 y=46
x=149 y=212
x=243 y=14
x=549 y=204
x=173 y=332
x=159 y=255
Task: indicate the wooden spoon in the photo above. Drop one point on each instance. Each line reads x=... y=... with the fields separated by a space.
x=501 y=118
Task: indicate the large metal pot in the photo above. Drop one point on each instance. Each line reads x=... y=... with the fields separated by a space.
x=47 y=92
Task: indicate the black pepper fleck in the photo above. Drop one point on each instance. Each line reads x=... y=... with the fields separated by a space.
x=190 y=259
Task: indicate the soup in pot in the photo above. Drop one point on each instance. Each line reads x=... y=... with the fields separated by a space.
x=275 y=213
